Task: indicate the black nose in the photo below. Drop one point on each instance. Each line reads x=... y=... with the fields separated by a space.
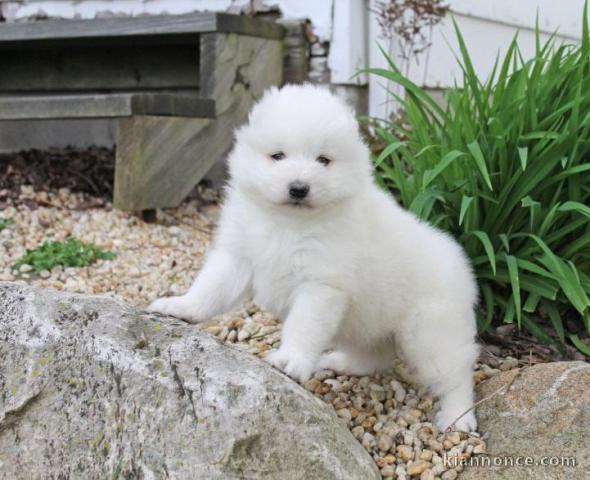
x=298 y=190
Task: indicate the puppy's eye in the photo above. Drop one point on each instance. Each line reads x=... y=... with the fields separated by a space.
x=277 y=156
x=324 y=160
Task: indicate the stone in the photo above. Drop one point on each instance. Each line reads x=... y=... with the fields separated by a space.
x=405 y=453
x=384 y=442
x=508 y=364
x=344 y=413
x=426 y=455
x=368 y=440
x=321 y=375
x=449 y=475
x=334 y=384
x=454 y=437
x=399 y=391
x=427 y=474
x=25 y=268
x=377 y=392
x=126 y=394
x=417 y=467
x=545 y=412
x=312 y=384
x=388 y=471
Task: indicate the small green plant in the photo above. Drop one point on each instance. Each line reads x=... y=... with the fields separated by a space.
x=505 y=168
x=5 y=222
x=70 y=253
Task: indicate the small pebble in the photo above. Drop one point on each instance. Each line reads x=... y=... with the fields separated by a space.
x=454 y=437
x=232 y=336
x=384 y=442
x=321 y=375
x=427 y=474
x=426 y=455
x=377 y=392
x=368 y=440
x=344 y=413
x=508 y=364
x=450 y=475
x=405 y=453
x=213 y=330
x=388 y=471
x=479 y=449
x=312 y=384
x=417 y=467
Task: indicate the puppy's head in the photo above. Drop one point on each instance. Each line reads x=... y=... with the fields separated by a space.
x=301 y=149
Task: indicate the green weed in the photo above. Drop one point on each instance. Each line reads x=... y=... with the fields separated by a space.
x=70 y=253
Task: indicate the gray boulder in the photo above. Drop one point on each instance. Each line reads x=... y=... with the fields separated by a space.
x=90 y=388
x=543 y=415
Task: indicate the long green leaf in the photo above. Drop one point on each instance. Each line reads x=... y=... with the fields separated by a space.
x=475 y=150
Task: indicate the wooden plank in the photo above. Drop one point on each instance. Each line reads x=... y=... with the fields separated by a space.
x=296 y=52
x=147 y=26
x=243 y=25
x=37 y=107
x=100 y=68
x=160 y=160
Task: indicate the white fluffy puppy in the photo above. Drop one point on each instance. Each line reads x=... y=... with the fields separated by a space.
x=305 y=230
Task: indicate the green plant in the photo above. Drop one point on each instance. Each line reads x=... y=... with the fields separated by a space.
x=505 y=167
x=5 y=222
x=70 y=253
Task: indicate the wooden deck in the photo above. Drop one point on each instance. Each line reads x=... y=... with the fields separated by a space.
x=176 y=85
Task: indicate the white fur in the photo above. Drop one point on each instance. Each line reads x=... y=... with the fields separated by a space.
x=352 y=274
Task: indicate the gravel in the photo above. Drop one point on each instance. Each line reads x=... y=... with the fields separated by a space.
x=151 y=259
x=390 y=417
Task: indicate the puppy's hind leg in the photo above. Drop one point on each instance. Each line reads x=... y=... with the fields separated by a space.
x=354 y=361
x=438 y=343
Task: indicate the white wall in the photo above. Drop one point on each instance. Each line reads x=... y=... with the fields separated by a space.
x=488 y=27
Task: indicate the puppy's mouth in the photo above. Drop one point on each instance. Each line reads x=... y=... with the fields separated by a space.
x=299 y=204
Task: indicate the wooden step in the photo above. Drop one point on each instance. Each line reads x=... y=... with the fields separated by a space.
x=104 y=105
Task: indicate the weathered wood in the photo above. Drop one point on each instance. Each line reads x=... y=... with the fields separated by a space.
x=159 y=160
x=147 y=27
x=100 y=68
x=187 y=69
x=156 y=159
x=106 y=105
x=296 y=52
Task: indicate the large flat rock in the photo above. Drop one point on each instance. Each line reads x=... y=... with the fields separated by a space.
x=544 y=416
x=90 y=388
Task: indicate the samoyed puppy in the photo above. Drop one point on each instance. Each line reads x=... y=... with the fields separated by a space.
x=354 y=277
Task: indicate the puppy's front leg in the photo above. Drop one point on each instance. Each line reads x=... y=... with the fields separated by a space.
x=223 y=281
x=309 y=329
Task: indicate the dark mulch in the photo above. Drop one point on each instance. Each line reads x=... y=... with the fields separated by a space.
x=507 y=340
x=89 y=171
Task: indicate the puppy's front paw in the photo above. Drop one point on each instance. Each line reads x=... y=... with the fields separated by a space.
x=175 y=306
x=445 y=418
x=298 y=365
